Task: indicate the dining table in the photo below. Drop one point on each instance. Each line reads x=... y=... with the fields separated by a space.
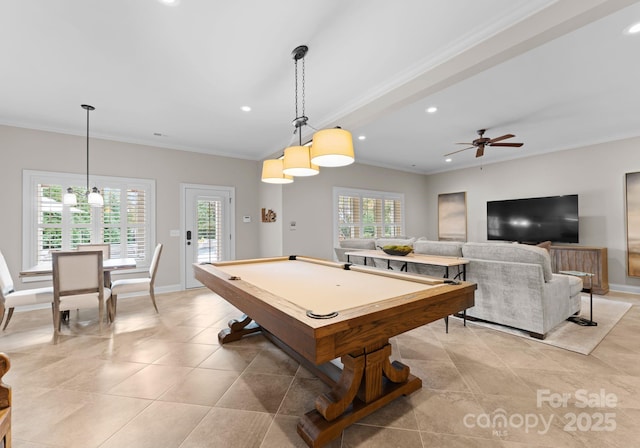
x=109 y=265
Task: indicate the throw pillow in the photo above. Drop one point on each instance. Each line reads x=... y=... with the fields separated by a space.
x=545 y=245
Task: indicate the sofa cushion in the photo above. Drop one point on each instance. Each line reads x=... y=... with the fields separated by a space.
x=519 y=253
x=440 y=248
x=358 y=243
x=575 y=284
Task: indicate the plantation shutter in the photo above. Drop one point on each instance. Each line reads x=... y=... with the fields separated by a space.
x=125 y=221
x=348 y=217
x=137 y=240
x=368 y=214
x=49 y=221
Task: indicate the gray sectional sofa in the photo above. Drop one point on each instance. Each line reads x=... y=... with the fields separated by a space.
x=516 y=286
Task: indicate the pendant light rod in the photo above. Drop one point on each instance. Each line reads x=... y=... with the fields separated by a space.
x=94 y=198
x=299 y=53
x=88 y=108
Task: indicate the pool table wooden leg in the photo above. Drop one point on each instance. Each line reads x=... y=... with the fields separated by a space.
x=368 y=381
x=237 y=329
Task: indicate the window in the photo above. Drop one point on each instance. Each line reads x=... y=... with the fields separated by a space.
x=126 y=221
x=209 y=224
x=368 y=214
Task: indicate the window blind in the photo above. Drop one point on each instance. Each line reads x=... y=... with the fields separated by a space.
x=368 y=214
x=125 y=221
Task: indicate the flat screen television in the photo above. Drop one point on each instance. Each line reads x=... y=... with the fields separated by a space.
x=534 y=220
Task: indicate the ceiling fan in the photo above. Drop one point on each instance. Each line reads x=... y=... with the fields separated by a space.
x=481 y=142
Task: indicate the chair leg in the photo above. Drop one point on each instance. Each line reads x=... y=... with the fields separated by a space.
x=153 y=299
x=6 y=322
x=109 y=311
x=100 y=313
x=114 y=306
x=56 y=319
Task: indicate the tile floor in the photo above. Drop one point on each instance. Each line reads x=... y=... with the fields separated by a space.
x=162 y=380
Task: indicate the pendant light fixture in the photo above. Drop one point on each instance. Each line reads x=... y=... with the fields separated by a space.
x=335 y=146
x=93 y=196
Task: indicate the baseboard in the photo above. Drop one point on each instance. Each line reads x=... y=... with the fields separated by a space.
x=624 y=288
x=159 y=290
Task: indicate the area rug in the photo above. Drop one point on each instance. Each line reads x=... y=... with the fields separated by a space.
x=571 y=336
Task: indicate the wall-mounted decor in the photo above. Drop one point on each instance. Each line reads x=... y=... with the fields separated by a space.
x=452 y=216
x=633 y=224
x=268 y=215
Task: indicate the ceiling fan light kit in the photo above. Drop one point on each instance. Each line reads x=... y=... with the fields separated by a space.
x=329 y=147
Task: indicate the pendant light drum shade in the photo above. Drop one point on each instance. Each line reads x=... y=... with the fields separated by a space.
x=272 y=172
x=332 y=148
x=297 y=162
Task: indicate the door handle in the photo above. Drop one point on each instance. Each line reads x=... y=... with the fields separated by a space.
x=188 y=237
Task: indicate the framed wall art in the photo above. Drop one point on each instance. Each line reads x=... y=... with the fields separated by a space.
x=452 y=217
x=633 y=223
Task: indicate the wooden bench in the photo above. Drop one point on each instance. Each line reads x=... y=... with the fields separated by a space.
x=5 y=404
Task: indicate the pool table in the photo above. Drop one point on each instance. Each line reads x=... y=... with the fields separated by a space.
x=336 y=320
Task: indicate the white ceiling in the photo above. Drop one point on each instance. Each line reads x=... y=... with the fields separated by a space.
x=558 y=74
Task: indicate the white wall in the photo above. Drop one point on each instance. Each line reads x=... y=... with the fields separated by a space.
x=37 y=150
x=595 y=173
x=309 y=202
x=271 y=232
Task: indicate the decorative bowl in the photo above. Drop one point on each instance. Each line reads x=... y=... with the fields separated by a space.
x=397 y=250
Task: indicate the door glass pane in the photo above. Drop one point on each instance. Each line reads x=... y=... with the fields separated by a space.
x=209 y=230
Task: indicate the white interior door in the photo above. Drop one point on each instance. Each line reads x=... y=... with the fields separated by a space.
x=208 y=227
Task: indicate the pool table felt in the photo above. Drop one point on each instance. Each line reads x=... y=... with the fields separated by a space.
x=322 y=288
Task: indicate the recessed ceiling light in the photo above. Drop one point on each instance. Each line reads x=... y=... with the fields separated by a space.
x=245 y=109
x=362 y=137
x=448 y=160
x=633 y=29
x=431 y=109
x=170 y=2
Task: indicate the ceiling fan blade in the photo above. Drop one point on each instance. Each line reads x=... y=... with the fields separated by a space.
x=459 y=150
x=467 y=143
x=502 y=137
x=513 y=145
x=480 y=151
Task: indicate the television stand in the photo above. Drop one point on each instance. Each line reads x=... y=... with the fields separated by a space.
x=583 y=259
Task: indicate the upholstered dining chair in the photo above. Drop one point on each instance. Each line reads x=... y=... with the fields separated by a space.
x=143 y=284
x=10 y=299
x=78 y=283
x=104 y=247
